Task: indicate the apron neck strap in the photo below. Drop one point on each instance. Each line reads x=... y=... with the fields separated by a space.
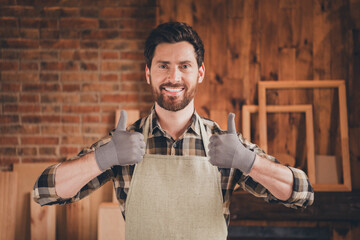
x=203 y=133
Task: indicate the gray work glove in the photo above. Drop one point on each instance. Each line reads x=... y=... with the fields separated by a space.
x=226 y=150
x=124 y=148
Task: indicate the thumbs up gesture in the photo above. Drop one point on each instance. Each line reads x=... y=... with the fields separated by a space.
x=124 y=148
x=226 y=150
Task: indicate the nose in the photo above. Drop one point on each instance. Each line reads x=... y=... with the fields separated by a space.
x=174 y=75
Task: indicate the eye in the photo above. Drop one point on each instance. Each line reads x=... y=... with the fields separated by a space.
x=185 y=66
x=162 y=66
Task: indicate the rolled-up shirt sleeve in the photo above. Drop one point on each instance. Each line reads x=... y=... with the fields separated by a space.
x=302 y=195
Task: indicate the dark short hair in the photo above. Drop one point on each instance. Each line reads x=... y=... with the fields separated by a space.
x=173 y=32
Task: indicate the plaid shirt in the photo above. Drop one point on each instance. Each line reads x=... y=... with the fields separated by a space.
x=190 y=143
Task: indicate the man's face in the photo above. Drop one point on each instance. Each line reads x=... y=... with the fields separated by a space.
x=174 y=75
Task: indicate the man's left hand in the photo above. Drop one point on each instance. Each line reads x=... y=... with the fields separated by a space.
x=226 y=150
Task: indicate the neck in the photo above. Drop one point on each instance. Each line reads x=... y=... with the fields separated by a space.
x=175 y=123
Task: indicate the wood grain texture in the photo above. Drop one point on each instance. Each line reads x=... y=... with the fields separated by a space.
x=78 y=220
x=8 y=196
x=43 y=221
x=111 y=224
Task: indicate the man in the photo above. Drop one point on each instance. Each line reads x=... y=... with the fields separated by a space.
x=174 y=171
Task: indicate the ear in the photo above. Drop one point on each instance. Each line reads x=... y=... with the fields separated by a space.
x=201 y=73
x=147 y=74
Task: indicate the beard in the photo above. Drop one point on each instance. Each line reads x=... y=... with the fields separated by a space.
x=173 y=103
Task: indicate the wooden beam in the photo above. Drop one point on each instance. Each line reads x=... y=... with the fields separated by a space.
x=328 y=206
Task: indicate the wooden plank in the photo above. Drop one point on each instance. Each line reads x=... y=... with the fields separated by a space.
x=8 y=196
x=220 y=117
x=111 y=224
x=43 y=221
x=301 y=84
x=78 y=220
x=310 y=144
x=27 y=175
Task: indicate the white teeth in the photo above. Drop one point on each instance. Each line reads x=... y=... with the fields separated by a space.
x=173 y=89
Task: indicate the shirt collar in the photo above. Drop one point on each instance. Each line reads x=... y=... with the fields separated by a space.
x=194 y=127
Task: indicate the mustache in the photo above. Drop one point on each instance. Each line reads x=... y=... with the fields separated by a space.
x=174 y=85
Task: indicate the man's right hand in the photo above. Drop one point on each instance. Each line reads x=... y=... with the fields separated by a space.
x=124 y=148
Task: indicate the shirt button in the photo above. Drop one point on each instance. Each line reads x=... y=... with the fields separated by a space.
x=174 y=145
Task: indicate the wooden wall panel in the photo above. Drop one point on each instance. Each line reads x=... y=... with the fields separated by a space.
x=247 y=41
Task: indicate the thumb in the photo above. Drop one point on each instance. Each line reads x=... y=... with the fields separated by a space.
x=122 y=121
x=231 y=123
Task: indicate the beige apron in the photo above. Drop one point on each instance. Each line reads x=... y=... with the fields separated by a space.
x=175 y=197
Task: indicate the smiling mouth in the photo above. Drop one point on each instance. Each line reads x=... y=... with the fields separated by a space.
x=174 y=90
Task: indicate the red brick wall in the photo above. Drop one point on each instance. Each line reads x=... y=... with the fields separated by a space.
x=66 y=66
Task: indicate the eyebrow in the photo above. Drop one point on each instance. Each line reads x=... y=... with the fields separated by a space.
x=168 y=62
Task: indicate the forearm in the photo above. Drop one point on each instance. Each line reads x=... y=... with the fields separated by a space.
x=277 y=178
x=71 y=176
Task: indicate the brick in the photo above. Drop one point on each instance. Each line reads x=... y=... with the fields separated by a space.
x=57 y=12
x=10 y=87
x=47 y=151
x=79 y=55
x=22 y=108
x=109 y=23
x=110 y=55
x=71 y=87
x=116 y=66
x=89 y=98
x=119 y=98
x=130 y=87
x=21 y=76
x=39 y=140
x=133 y=77
x=146 y=98
x=132 y=55
x=10 y=54
x=79 y=76
x=9 y=66
x=9 y=118
x=29 y=98
x=30 y=33
x=89 y=140
x=50 y=109
x=136 y=23
x=109 y=77
x=27 y=151
x=88 y=66
x=70 y=129
x=96 y=129
x=87 y=23
x=66 y=151
x=38 y=23
x=134 y=34
x=99 y=87
x=90 y=119
x=9 y=160
x=70 y=33
x=100 y=34
x=89 y=12
x=20 y=129
x=19 y=43
x=60 y=66
x=37 y=55
x=27 y=66
x=40 y=119
x=49 y=77
x=9 y=141
x=75 y=139
x=60 y=44
x=49 y=34
x=87 y=44
x=17 y=11
x=127 y=12
x=108 y=118
x=59 y=98
x=8 y=151
x=9 y=33
x=121 y=45
x=40 y=87
x=4 y=98
x=37 y=159
x=8 y=22
x=70 y=119
x=51 y=129
x=81 y=109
